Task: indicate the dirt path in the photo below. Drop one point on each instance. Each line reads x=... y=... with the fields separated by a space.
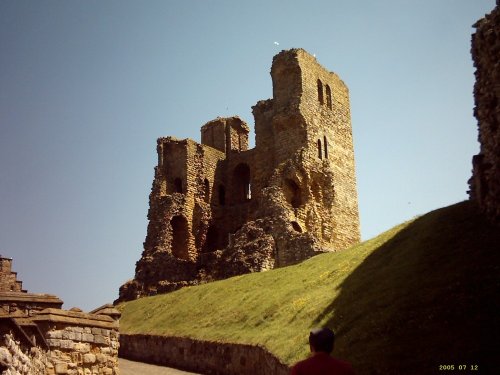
x=138 y=368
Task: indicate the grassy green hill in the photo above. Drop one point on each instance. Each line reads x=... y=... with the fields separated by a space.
x=421 y=295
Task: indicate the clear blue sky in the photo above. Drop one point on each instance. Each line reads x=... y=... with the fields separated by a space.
x=86 y=88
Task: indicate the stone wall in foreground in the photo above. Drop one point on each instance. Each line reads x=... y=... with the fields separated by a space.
x=485 y=181
x=56 y=341
x=201 y=356
x=37 y=337
x=79 y=343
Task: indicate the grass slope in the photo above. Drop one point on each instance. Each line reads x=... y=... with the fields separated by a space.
x=420 y=295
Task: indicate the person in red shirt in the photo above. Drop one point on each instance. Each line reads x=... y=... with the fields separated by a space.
x=321 y=362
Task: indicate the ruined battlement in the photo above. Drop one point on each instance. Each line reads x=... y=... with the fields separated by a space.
x=226 y=134
x=218 y=208
x=8 y=279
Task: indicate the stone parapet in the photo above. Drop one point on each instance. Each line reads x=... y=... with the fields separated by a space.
x=58 y=316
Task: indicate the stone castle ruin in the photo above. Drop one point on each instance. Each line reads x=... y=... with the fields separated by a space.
x=485 y=181
x=219 y=209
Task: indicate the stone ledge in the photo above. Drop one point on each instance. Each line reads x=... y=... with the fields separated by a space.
x=75 y=318
x=29 y=297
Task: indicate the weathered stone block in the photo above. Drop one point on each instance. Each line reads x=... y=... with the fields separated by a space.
x=76 y=357
x=54 y=343
x=87 y=337
x=5 y=357
x=89 y=358
x=99 y=339
x=67 y=344
x=61 y=368
x=82 y=347
x=54 y=334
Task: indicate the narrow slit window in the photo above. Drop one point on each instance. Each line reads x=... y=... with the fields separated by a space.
x=206 y=190
x=320 y=92
x=241 y=184
x=325 y=145
x=328 y=97
x=222 y=195
x=178 y=185
x=319 y=149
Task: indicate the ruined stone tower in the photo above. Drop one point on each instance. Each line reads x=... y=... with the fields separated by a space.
x=219 y=209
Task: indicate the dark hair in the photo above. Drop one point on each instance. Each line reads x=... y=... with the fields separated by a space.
x=321 y=340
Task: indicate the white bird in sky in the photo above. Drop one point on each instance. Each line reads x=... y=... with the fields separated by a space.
x=276 y=43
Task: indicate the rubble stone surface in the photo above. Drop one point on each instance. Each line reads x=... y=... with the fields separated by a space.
x=219 y=209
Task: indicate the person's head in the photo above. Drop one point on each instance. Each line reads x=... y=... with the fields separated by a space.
x=321 y=340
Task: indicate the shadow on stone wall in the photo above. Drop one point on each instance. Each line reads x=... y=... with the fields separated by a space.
x=201 y=356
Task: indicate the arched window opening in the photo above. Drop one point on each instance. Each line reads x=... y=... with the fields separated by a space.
x=325 y=144
x=180 y=235
x=320 y=92
x=292 y=193
x=328 y=97
x=296 y=227
x=222 y=195
x=178 y=185
x=319 y=149
x=211 y=240
x=206 y=187
x=241 y=183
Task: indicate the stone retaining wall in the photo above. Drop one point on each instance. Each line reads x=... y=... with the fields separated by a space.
x=201 y=356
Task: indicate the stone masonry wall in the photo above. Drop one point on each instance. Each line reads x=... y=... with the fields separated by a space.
x=38 y=337
x=485 y=181
x=80 y=343
x=201 y=356
x=14 y=360
x=77 y=344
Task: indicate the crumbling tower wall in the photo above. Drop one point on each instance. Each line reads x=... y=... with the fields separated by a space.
x=485 y=181
x=306 y=129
